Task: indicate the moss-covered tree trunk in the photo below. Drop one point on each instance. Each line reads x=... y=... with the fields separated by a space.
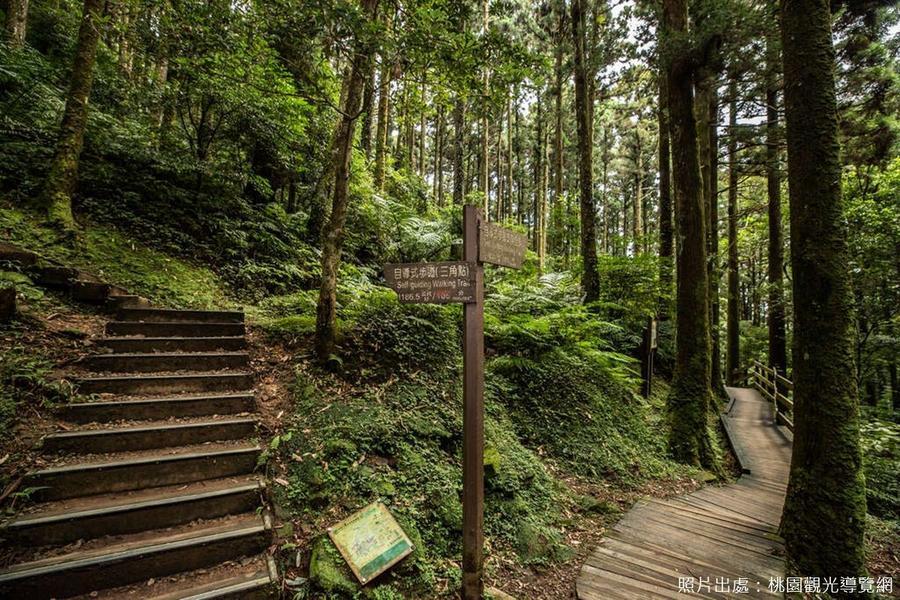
x=716 y=380
x=824 y=513
x=666 y=233
x=368 y=109
x=733 y=326
x=590 y=279
x=689 y=398
x=326 y=310
x=56 y=197
x=776 y=318
x=16 y=22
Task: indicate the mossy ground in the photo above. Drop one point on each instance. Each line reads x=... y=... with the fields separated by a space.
x=117 y=258
x=388 y=427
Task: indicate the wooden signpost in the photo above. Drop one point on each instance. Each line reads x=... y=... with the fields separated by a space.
x=483 y=242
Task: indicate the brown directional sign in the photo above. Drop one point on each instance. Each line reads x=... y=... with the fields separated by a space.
x=433 y=282
x=501 y=246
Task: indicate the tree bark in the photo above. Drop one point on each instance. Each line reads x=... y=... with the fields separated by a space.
x=421 y=165
x=666 y=228
x=590 y=281
x=326 y=310
x=16 y=22
x=365 y=135
x=777 y=334
x=56 y=199
x=637 y=229
x=712 y=191
x=823 y=523
x=689 y=397
x=459 y=164
x=381 y=132
x=439 y=156
x=733 y=333
x=558 y=133
x=483 y=182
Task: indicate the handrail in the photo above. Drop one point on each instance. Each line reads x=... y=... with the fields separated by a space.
x=775 y=388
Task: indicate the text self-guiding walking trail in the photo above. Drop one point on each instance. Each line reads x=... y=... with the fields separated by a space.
x=725 y=534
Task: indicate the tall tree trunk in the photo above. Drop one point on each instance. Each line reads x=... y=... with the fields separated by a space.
x=538 y=175
x=824 y=514
x=689 y=397
x=705 y=82
x=590 y=281
x=365 y=135
x=545 y=183
x=459 y=163
x=421 y=166
x=666 y=226
x=637 y=212
x=381 y=132
x=483 y=182
x=326 y=311
x=56 y=198
x=733 y=334
x=777 y=335
x=712 y=191
x=439 y=156
x=509 y=158
x=16 y=22
x=557 y=132
x=520 y=175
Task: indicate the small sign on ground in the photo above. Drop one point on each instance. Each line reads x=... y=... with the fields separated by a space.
x=371 y=541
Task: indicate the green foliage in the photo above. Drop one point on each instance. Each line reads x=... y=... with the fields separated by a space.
x=880 y=441
x=24 y=380
x=119 y=259
x=401 y=338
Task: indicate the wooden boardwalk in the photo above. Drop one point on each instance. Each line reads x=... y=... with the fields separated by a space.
x=726 y=535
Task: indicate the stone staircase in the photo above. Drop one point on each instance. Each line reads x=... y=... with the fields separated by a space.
x=149 y=488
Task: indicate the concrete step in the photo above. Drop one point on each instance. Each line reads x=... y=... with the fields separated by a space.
x=165 y=384
x=149 y=435
x=140 y=511
x=90 y=292
x=157 y=408
x=148 y=469
x=82 y=572
x=172 y=344
x=117 y=301
x=139 y=328
x=166 y=361
x=253 y=585
x=55 y=277
x=17 y=256
x=169 y=315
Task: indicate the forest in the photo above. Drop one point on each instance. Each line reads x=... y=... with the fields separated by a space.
x=721 y=177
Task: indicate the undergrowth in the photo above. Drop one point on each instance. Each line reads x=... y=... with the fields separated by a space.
x=119 y=259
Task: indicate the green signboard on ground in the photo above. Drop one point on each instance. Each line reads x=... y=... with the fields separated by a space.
x=371 y=541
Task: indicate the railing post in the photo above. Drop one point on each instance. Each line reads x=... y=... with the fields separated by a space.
x=775 y=391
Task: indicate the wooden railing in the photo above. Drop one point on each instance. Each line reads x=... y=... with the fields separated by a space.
x=775 y=388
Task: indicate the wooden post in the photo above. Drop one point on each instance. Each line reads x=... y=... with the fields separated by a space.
x=775 y=390
x=473 y=417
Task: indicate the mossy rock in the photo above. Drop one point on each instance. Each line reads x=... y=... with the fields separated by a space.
x=538 y=544
x=595 y=506
x=328 y=571
x=383 y=487
x=448 y=510
x=492 y=462
x=341 y=448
